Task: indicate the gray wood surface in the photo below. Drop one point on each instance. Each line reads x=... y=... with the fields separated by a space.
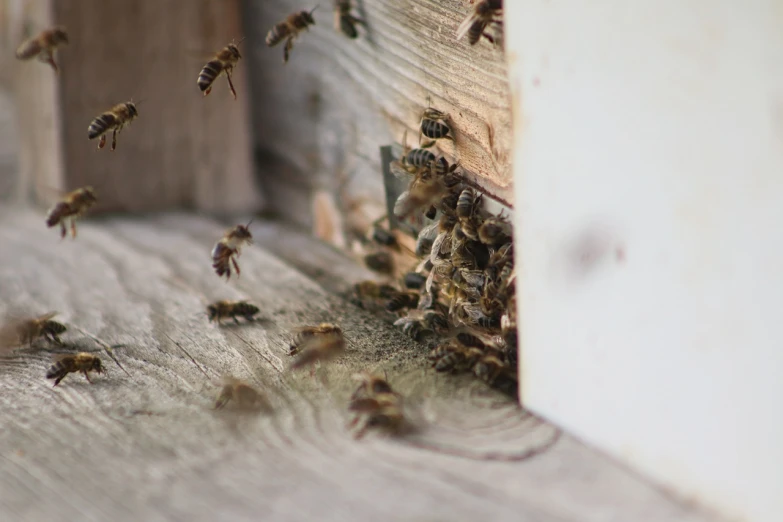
x=322 y=117
x=148 y=446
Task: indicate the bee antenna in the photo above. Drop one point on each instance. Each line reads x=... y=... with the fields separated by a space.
x=242 y=40
x=248 y=223
x=314 y=8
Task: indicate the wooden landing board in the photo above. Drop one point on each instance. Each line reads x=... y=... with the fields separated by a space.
x=148 y=447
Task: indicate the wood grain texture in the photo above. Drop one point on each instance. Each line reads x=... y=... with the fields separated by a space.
x=148 y=446
x=323 y=116
x=184 y=151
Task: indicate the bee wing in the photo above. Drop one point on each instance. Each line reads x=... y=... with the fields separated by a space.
x=9 y=335
x=46 y=316
x=464 y=27
x=399 y=172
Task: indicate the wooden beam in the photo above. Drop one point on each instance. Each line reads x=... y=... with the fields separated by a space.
x=183 y=151
x=148 y=445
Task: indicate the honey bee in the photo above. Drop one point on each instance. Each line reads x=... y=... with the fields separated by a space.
x=475 y=24
x=344 y=21
x=433 y=125
x=421 y=325
x=70 y=208
x=373 y=290
x=244 y=396
x=289 y=29
x=222 y=63
x=43 y=46
x=113 y=120
x=453 y=358
x=495 y=231
x=225 y=250
x=316 y=343
x=402 y=300
x=468 y=205
x=370 y=384
x=381 y=410
x=71 y=363
x=220 y=310
x=495 y=372
x=384 y=237
x=425 y=239
x=414 y=280
x=379 y=261
x=27 y=331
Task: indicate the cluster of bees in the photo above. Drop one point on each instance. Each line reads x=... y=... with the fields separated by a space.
x=462 y=290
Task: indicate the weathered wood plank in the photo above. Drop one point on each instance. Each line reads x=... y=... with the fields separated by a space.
x=183 y=151
x=324 y=114
x=148 y=446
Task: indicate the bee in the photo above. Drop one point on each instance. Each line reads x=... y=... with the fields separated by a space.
x=373 y=290
x=468 y=205
x=113 y=120
x=379 y=261
x=27 y=331
x=402 y=300
x=476 y=23
x=508 y=329
x=384 y=237
x=453 y=358
x=43 y=46
x=370 y=384
x=414 y=327
x=433 y=125
x=414 y=280
x=223 y=63
x=244 y=396
x=495 y=231
x=495 y=372
x=71 y=363
x=220 y=310
x=225 y=250
x=316 y=343
x=344 y=21
x=289 y=29
x=425 y=239
x=382 y=410
x=72 y=206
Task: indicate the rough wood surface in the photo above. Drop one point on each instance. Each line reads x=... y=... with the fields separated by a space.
x=148 y=447
x=183 y=151
x=323 y=116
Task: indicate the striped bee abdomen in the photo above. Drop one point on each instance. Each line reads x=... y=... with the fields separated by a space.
x=208 y=74
x=57 y=213
x=101 y=124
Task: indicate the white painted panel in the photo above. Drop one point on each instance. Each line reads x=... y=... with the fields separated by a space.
x=649 y=197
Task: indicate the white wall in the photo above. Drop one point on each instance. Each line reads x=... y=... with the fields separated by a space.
x=656 y=128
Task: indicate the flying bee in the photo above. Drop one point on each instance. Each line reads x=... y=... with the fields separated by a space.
x=475 y=25
x=379 y=261
x=402 y=300
x=289 y=29
x=71 y=363
x=70 y=208
x=433 y=125
x=43 y=46
x=228 y=248
x=316 y=343
x=370 y=384
x=244 y=396
x=225 y=309
x=495 y=231
x=27 y=331
x=113 y=120
x=222 y=63
x=344 y=21
x=382 y=410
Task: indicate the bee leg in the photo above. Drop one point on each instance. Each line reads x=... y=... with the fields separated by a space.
x=87 y=376
x=73 y=228
x=56 y=339
x=113 y=140
x=231 y=84
x=289 y=44
x=57 y=380
x=236 y=265
x=102 y=142
x=63 y=229
x=236 y=320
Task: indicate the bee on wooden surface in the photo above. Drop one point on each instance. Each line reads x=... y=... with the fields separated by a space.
x=468 y=207
x=493 y=371
x=222 y=63
x=228 y=248
x=495 y=231
x=379 y=261
x=27 y=330
x=373 y=290
x=244 y=396
x=433 y=125
x=402 y=300
x=344 y=21
x=225 y=309
x=316 y=343
x=71 y=363
x=475 y=25
x=289 y=29
x=70 y=208
x=370 y=384
x=43 y=46
x=115 y=119
x=453 y=358
x=414 y=327
x=379 y=411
